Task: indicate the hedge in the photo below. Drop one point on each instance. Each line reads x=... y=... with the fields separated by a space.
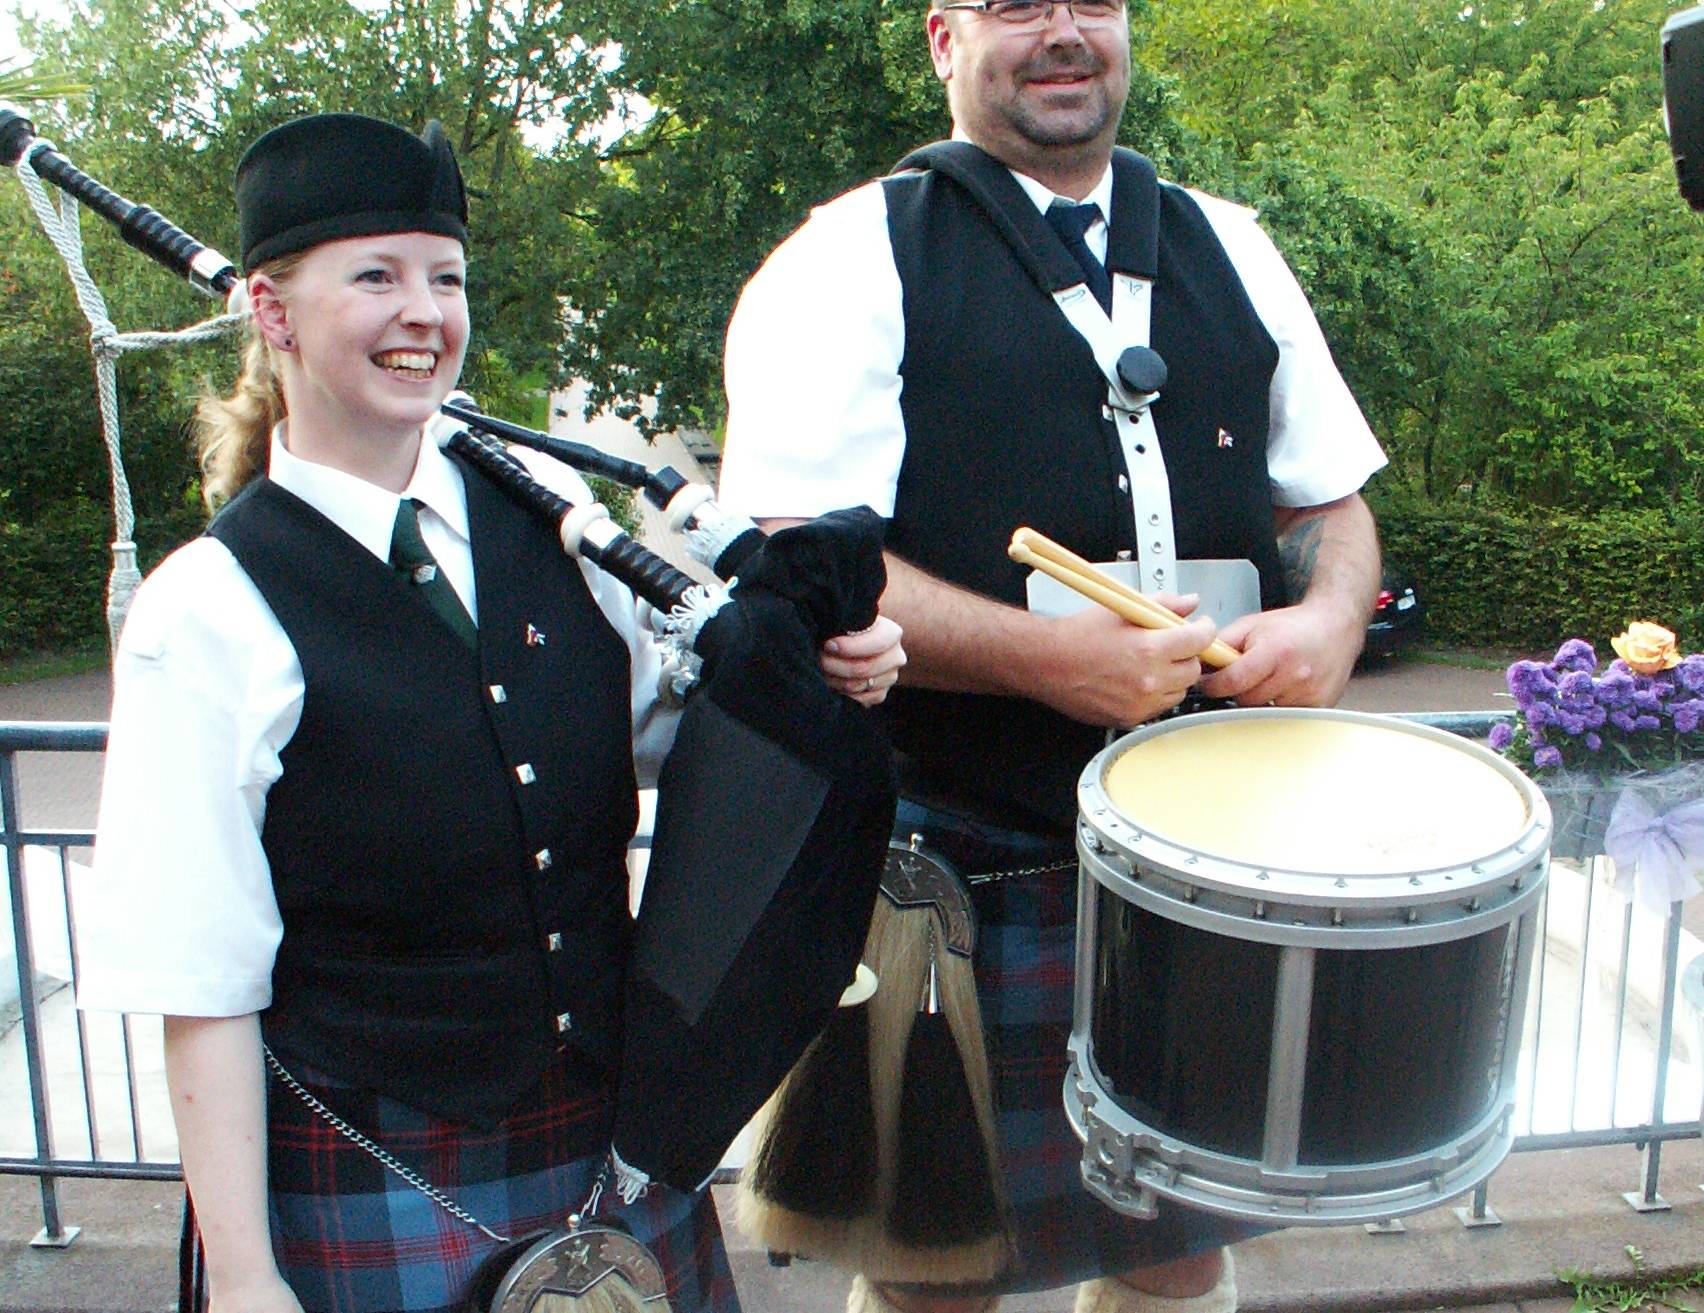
x=1492 y=577
x=53 y=570
x=1489 y=577
x=53 y=574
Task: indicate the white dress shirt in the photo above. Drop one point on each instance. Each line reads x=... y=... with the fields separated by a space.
x=815 y=345
x=207 y=691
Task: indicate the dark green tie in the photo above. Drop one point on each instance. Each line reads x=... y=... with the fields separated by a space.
x=410 y=555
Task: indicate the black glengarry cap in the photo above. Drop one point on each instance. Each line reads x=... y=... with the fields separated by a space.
x=330 y=176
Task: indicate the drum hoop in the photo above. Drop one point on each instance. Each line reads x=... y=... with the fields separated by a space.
x=1311 y=923
x=1150 y=1160
x=1103 y=829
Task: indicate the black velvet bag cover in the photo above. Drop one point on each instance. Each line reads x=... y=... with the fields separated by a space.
x=773 y=816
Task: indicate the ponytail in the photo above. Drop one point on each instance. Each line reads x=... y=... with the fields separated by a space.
x=233 y=433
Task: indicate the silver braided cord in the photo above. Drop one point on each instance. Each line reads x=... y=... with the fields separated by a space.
x=106 y=344
x=987 y=877
x=390 y=1163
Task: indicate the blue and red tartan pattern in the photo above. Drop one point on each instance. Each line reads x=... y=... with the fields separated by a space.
x=1025 y=969
x=352 y=1237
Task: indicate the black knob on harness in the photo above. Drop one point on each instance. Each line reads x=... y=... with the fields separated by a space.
x=1141 y=370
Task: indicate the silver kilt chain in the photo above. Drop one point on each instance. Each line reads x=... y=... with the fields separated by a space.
x=389 y=1162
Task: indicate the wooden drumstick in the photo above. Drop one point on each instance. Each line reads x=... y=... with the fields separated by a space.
x=1042 y=553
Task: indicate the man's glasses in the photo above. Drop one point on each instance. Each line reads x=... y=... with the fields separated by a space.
x=1038 y=13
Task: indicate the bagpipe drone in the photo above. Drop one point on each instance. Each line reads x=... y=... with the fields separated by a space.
x=775 y=805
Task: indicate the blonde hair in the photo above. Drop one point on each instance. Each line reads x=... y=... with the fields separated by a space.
x=232 y=432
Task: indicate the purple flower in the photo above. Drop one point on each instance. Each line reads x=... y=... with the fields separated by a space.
x=1594 y=742
x=1575 y=655
x=1622 y=720
x=1576 y=685
x=1615 y=688
x=1690 y=673
x=1571 y=724
x=1686 y=715
x=1529 y=680
x=1540 y=714
x=1647 y=699
x=1546 y=757
x=1647 y=722
x=1502 y=734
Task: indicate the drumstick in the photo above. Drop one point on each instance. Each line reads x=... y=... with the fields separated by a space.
x=1043 y=546
x=1078 y=575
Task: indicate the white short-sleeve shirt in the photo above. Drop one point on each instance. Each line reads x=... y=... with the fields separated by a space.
x=815 y=345
x=180 y=916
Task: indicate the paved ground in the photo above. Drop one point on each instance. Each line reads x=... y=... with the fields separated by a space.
x=1559 y=1210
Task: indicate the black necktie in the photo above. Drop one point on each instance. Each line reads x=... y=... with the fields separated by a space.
x=1071 y=222
x=410 y=555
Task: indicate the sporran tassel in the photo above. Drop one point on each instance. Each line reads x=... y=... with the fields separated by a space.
x=944 y=1192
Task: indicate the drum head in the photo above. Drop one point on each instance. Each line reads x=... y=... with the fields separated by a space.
x=1317 y=793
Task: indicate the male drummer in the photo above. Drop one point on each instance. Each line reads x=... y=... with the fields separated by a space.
x=895 y=351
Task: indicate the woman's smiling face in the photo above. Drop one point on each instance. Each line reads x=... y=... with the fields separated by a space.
x=377 y=327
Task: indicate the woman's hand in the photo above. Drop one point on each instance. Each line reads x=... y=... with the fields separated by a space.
x=864 y=665
x=266 y=1293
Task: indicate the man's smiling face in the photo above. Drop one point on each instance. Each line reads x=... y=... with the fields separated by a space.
x=1023 y=94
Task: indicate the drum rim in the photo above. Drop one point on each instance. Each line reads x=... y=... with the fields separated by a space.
x=1106 y=833
x=1152 y=1161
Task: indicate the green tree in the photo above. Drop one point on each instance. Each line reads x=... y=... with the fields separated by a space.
x=757 y=111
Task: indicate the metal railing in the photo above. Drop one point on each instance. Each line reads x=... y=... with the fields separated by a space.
x=47 y=1066
x=19 y=845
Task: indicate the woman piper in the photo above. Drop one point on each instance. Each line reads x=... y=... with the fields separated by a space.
x=371 y=777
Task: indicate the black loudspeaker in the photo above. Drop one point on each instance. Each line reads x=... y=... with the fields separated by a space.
x=1683 y=99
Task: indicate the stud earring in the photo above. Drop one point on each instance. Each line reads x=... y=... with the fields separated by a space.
x=288 y=344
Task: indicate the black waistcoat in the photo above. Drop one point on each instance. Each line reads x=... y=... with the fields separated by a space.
x=447 y=839
x=1002 y=402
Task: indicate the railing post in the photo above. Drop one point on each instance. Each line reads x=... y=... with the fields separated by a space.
x=1478 y=1213
x=1646 y=1199
x=53 y=1234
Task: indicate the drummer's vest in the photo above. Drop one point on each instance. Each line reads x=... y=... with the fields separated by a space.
x=1005 y=426
x=447 y=839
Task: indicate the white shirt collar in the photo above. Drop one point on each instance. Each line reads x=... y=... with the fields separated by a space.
x=1100 y=197
x=1043 y=196
x=365 y=511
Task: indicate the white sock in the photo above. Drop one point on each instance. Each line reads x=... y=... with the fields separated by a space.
x=1110 y=1295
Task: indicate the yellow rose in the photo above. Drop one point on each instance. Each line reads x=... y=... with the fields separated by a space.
x=1646 y=647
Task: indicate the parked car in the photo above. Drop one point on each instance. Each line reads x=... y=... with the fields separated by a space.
x=1398 y=619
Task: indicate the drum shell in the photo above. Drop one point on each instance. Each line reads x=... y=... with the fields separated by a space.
x=1292 y=1046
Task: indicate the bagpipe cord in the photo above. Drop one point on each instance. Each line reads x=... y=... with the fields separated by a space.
x=106 y=344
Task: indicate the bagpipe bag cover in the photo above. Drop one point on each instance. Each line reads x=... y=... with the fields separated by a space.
x=773 y=815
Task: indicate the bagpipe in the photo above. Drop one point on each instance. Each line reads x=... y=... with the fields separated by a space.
x=775 y=804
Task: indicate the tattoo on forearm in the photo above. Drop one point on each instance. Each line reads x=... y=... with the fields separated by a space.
x=1298 y=550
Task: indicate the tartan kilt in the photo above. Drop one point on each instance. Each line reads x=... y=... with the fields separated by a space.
x=1025 y=971
x=353 y=1237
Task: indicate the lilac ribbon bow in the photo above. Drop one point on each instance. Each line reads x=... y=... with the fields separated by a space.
x=1658 y=854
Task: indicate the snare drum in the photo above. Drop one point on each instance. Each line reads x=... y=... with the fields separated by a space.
x=1303 y=946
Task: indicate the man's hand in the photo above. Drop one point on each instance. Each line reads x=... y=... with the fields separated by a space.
x=1302 y=655
x=1104 y=671
x=1297 y=656
x=864 y=665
